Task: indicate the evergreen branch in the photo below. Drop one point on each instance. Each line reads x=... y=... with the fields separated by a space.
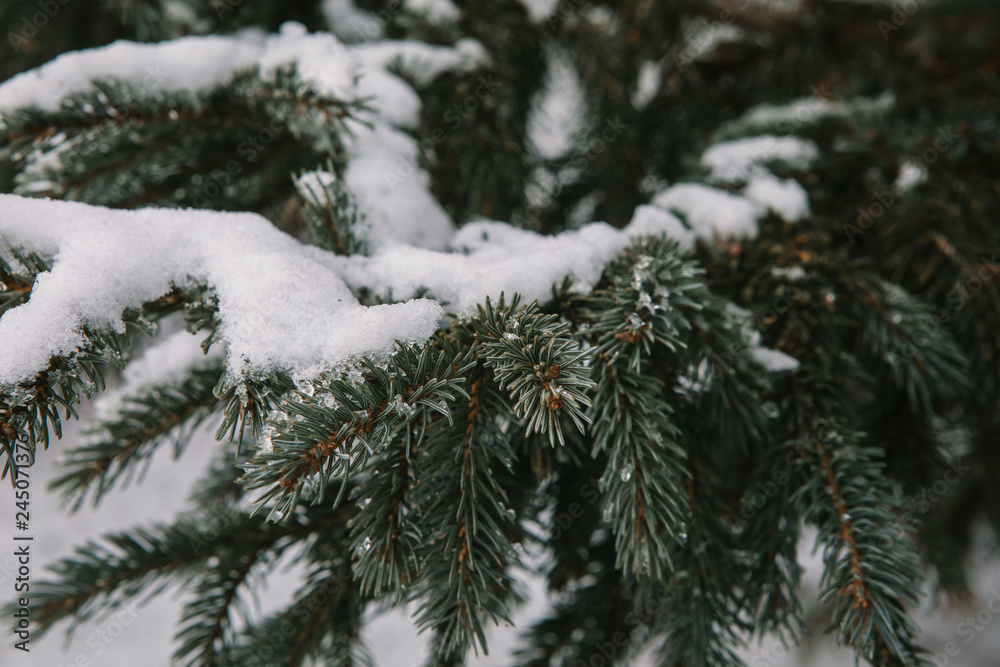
x=869 y=575
x=335 y=427
x=386 y=537
x=248 y=402
x=901 y=331
x=468 y=548
x=30 y=409
x=322 y=623
x=645 y=497
x=535 y=358
x=769 y=535
x=220 y=483
x=331 y=214
x=207 y=615
x=124 y=565
x=119 y=444
x=18 y=271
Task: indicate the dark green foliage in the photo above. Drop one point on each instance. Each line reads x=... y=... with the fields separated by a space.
x=629 y=430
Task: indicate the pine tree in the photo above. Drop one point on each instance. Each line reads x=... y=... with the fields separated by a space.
x=423 y=355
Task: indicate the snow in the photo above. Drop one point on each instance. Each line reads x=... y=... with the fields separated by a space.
x=280 y=306
x=539 y=9
x=652 y=220
x=708 y=211
x=911 y=174
x=733 y=161
x=792 y=274
x=393 y=191
x=349 y=23
x=774 y=360
x=434 y=11
x=490 y=258
x=557 y=115
x=802 y=112
x=648 y=84
x=188 y=64
x=383 y=170
x=785 y=197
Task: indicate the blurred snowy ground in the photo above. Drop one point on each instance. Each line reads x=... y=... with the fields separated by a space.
x=146 y=640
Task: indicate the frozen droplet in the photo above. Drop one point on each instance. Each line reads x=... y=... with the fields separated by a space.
x=510 y=336
x=682 y=536
x=513 y=323
x=305 y=387
x=770 y=408
x=366 y=545
x=607 y=514
x=511 y=514
x=897 y=318
x=401 y=407
x=627 y=472
x=845 y=517
x=364 y=503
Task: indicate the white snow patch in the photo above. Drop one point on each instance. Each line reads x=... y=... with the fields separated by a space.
x=421 y=61
x=491 y=258
x=785 y=197
x=435 y=11
x=539 y=9
x=802 y=112
x=733 y=161
x=349 y=23
x=392 y=191
x=911 y=174
x=708 y=211
x=653 y=220
x=792 y=274
x=774 y=360
x=280 y=305
x=648 y=83
x=557 y=115
x=188 y=64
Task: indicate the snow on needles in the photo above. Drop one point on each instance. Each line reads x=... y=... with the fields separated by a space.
x=280 y=305
x=188 y=64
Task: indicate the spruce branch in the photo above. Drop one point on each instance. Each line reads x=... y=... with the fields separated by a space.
x=119 y=444
x=207 y=616
x=537 y=360
x=330 y=211
x=29 y=410
x=465 y=583
x=331 y=429
x=644 y=485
